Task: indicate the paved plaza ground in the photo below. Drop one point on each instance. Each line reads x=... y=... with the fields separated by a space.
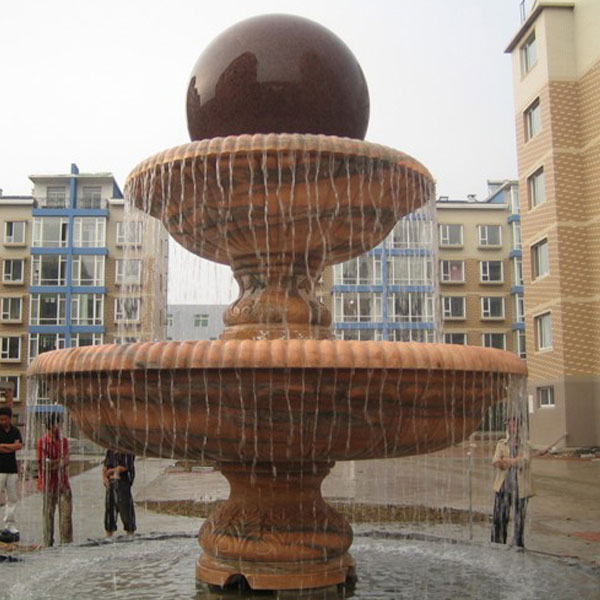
x=563 y=518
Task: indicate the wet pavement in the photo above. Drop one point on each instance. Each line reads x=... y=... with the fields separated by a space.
x=563 y=518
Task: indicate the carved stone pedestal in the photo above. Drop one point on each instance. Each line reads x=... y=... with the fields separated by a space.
x=276 y=531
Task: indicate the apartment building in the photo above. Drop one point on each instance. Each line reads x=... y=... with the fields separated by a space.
x=480 y=269
x=78 y=269
x=556 y=77
x=195 y=321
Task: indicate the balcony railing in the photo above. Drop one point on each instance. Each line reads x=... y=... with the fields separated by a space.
x=85 y=203
x=92 y=203
x=53 y=203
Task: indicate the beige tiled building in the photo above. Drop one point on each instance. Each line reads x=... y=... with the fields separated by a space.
x=556 y=75
x=479 y=269
x=78 y=268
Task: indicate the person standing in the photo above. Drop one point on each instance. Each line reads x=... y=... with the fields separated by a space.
x=512 y=484
x=53 y=482
x=10 y=443
x=118 y=474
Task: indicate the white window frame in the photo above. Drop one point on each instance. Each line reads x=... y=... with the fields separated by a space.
x=375 y=314
x=545 y=396
x=98 y=268
x=543 y=330
x=56 y=196
x=411 y=233
x=444 y=229
x=124 y=278
x=532 y=119
x=5 y=348
x=350 y=272
x=411 y=335
x=6 y=306
x=519 y=308
x=97 y=339
x=536 y=187
x=486 y=308
x=91 y=197
x=97 y=315
x=516 y=235
x=446 y=271
x=37 y=261
x=484 y=271
x=127 y=339
x=418 y=270
x=528 y=53
x=415 y=301
x=9 y=238
x=136 y=226
x=520 y=344
x=34 y=343
x=99 y=227
x=485 y=339
x=35 y=303
x=540 y=252
x=7 y=273
x=448 y=303
x=38 y=240
x=16 y=380
x=120 y=310
x=201 y=320
x=483 y=235
x=449 y=338
x=518 y=270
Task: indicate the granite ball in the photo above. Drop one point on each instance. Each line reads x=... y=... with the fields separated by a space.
x=277 y=74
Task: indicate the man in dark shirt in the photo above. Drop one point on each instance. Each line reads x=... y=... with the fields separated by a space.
x=10 y=443
x=118 y=474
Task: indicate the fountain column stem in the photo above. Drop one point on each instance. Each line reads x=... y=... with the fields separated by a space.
x=275 y=530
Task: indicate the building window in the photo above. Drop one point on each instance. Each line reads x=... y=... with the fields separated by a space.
x=16 y=381
x=86 y=339
x=87 y=309
x=127 y=310
x=494 y=340
x=451 y=235
x=47 y=309
x=455 y=338
x=528 y=54
x=519 y=308
x=88 y=269
x=14 y=233
x=200 y=320
x=410 y=270
x=540 y=262
x=13 y=271
x=50 y=232
x=545 y=396
x=129 y=233
x=12 y=310
x=520 y=344
x=360 y=334
x=357 y=307
x=129 y=271
x=490 y=235
x=10 y=348
x=516 y=235
x=536 y=185
x=91 y=198
x=492 y=307
x=452 y=271
x=543 y=330
x=491 y=271
x=127 y=339
x=56 y=197
x=453 y=307
x=89 y=232
x=518 y=271
x=533 y=119
x=169 y=319
x=363 y=270
x=514 y=200
x=411 y=233
x=411 y=335
x=413 y=307
x=44 y=342
x=48 y=269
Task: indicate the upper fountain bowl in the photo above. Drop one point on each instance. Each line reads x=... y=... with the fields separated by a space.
x=277 y=74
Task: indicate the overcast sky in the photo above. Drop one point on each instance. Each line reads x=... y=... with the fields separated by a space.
x=103 y=83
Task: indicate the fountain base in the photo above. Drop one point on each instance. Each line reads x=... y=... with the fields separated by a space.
x=275 y=530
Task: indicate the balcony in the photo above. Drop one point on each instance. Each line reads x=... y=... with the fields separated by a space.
x=92 y=203
x=52 y=203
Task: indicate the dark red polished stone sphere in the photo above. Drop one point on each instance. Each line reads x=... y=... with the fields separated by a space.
x=277 y=74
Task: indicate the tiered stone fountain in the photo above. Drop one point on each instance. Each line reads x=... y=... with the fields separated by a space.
x=279 y=185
